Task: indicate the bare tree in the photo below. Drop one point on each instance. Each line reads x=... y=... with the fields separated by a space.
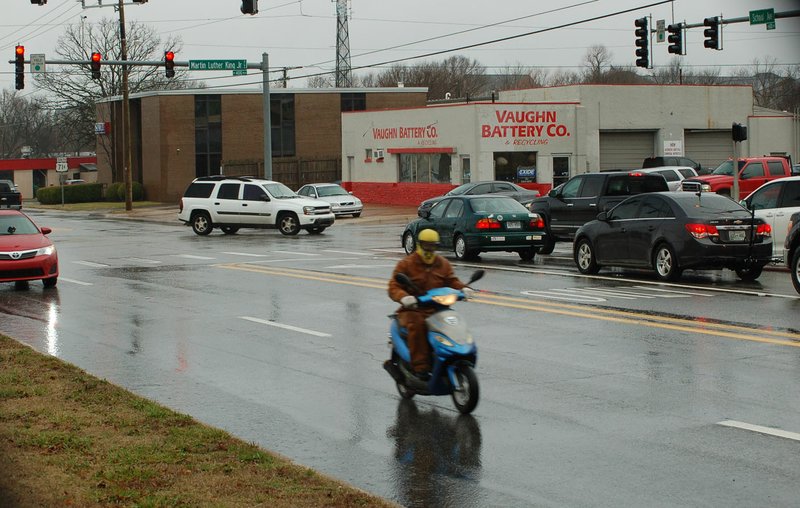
x=73 y=92
x=24 y=122
x=596 y=60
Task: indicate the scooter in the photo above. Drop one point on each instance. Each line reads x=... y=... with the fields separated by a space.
x=453 y=350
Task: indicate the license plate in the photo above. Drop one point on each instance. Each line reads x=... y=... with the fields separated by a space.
x=736 y=236
x=497 y=238
x=513 y=224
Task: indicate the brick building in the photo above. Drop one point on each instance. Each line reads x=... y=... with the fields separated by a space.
x=177 y=136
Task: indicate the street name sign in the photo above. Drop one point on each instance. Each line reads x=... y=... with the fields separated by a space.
x=763 y=17
x=218 y=65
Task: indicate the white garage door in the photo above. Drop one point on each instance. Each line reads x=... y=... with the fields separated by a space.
x=709 y=148
x=625 y=150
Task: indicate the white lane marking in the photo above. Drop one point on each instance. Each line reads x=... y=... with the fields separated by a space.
x=348 y=252
x=677 y=294
x=246 y=254
x=89 y=263
x=294 y=253
x=192 y=256
x=567 y=297
x=64 y=279
x=761 y=429
x=358 y=266
x=286 y=327
x=143 y=260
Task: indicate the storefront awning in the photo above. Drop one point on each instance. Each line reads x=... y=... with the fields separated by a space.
x=426 y=149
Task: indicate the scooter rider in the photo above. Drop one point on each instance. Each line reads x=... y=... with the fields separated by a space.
x=427 y=270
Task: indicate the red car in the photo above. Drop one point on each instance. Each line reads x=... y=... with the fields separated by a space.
x=25 y=252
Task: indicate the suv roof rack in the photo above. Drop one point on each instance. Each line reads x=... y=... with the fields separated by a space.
x=216 y=178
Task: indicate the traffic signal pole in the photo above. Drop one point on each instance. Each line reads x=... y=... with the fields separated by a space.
x=267 y=116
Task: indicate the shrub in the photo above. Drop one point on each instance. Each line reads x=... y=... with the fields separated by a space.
x=116 y=191
x=81 y=193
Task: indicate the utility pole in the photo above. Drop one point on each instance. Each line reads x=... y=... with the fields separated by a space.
x=127 y=157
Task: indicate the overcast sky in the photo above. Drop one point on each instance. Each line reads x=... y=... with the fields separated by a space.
x=302 y=33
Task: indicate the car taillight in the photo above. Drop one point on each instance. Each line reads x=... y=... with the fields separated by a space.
x=537 y=223
x=635 y=174
x=180 y=209
x=702 y=230
x=764 y=230
x=487 y=223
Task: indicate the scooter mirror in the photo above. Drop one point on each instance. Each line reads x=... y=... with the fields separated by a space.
x=478 y=275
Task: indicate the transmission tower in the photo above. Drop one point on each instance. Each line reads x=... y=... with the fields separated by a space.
x=344 y=78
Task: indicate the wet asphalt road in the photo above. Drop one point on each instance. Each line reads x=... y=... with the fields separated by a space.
x=595 y=391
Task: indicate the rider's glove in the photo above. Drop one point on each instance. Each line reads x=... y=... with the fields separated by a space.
x=469 y=293
x=409 y=302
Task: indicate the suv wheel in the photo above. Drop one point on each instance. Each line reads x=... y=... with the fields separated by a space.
x=749 y=273
x=229 y=230
x=201 y=223
x=288 y=223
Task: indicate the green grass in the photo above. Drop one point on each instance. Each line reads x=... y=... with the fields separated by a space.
x=70 y=439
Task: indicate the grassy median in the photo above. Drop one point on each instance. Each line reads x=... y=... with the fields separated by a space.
x=70 y=439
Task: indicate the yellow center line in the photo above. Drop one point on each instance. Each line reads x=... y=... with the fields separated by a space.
x=617 y=316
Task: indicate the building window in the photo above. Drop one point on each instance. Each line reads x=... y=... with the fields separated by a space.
x=207 y=134
x=281 y=108
x=354 y=101
x=425 y=167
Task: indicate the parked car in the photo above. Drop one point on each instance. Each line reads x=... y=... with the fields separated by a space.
x=795 y=169
x=342 y=202
x=674 y=175
x=775 y=202
x=232 y=203
x=76 y=181
x=670 y=232
x=513 y=190
x=670 y=160
x=471 y=224
x=25 y=251
x=10 y=197
x=792 y=249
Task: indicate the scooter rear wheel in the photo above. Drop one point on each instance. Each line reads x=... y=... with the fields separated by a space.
x=466 y=392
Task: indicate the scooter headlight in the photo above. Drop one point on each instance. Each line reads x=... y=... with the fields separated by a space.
x=441 y=339
x=446 y=300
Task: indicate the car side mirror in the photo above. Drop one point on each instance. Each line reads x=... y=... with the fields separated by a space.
x=602 y=216
x=744 y=203
x=554 y=194
x=46 y=231
x=424 y=213
x=264 y=197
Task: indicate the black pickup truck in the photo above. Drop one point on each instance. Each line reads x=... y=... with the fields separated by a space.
x=579 y=200
x=9 y=197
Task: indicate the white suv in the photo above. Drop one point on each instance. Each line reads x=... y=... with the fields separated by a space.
x=231 y=203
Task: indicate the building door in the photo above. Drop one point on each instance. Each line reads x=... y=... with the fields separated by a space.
x=466 y=169
x=624 y=150
x=560 y=169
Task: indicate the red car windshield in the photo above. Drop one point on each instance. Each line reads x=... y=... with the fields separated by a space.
x=16 y=225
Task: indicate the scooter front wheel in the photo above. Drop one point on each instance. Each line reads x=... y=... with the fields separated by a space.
x=404 y=391
x=466 y=391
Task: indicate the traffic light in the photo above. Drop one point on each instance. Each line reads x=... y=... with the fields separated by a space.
x=739 y=132
x=19 y=66
x=140 y=1
x=96 y=65
x=712 y=33
x=38 y=2
x=642 y=43
x=169 y=64
x=675 y=38
x=250 y=7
